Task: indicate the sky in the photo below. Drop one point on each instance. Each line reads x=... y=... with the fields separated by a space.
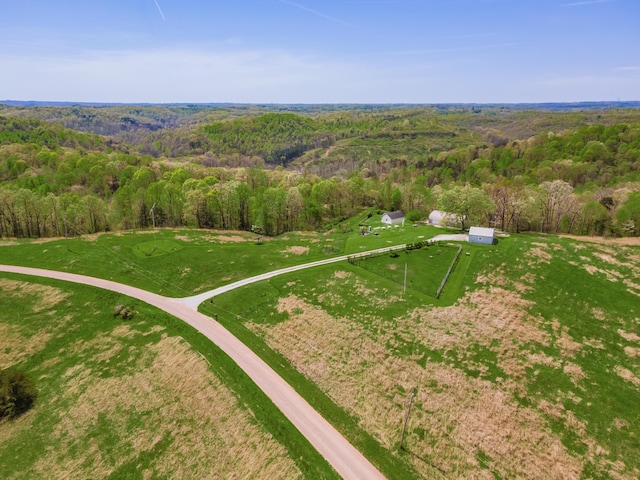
x=312 y=51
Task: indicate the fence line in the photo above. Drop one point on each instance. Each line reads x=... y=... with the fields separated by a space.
x=446 y=277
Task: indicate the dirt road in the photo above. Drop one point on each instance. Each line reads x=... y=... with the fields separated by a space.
x=344 y=458
x=196 y=300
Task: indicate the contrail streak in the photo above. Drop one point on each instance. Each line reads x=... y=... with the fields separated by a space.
x=315 y=12
x=159 y=9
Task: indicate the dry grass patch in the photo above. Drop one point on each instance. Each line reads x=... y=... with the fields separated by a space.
x=341 y=274
x=632 y=352
x=538 y=254
x=629 y=337
x=574 y=372
x=173 y=398
x=230 y=239
x=47 y=296
x=627 y=375
x=627 y=241
x=297 y=250
x=460 y=415
x=15 y=347
x=483 y=317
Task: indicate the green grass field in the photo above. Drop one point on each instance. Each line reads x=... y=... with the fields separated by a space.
x=526 y=367
x=532 y=373
x=180 y=263
x=422 y=270
x=143 y=398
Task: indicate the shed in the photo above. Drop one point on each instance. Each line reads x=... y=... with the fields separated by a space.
x=481 y=235
x=393 y=218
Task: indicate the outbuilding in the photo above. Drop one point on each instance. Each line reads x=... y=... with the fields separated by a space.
x=444 y=219
x=482 y=235
x=393 y=218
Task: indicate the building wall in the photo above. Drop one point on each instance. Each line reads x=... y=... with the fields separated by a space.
x=389 y=221
x=482 y=240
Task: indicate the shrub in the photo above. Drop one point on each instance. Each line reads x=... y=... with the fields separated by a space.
x=124 y=312
x=17 y=393
x=414 y=216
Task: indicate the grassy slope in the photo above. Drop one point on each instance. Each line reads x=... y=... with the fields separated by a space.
x=533 y=373
x=116 y=399
x=508 y=377
x=187 y=262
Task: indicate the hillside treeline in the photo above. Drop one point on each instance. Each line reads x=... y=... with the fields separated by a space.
x=57 y=181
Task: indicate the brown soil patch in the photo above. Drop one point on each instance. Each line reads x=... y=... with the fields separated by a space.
x=460 y=415
x=297 y=250
x=326 y=153
x=171 y=396
x=392 y=266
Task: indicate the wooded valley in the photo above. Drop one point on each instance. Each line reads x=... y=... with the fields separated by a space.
x=271 y=169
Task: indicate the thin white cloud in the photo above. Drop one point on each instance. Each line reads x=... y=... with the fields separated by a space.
x=470 y=35
x=316 y=13
x=433 y=51
x=628 y=69
x=586 y=2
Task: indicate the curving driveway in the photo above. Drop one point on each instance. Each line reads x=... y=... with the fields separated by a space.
x=196 y=300
x=340 y=454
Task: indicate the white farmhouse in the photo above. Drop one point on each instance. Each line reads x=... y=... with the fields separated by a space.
x=393 y=218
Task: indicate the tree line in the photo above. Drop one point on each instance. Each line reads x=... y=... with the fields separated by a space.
x=59 y=182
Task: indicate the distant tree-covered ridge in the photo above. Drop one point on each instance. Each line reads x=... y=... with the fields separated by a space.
x=330 y=165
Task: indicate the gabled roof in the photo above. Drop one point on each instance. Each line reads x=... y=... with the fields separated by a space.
x=396 y=214
x=482 y=232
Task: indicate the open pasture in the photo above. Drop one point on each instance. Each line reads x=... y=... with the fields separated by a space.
x=533 y=372
x=180 y=263
x=146 y=397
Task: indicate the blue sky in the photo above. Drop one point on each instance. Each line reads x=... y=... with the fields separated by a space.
x=311 y=51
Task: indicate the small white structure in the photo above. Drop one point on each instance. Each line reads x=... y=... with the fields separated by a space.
x=393 y=218
x=482 y=235
x=444 y=219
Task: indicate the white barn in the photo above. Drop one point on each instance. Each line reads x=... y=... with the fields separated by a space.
x=482 y=235
x=393 y=218
x=444 y=219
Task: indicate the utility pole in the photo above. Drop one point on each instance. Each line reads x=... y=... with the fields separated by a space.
x=66 y=235
x=153 y=219
x=404 y=289
x=406 y=418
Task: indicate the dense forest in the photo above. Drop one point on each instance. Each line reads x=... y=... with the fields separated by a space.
x=84 y=169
